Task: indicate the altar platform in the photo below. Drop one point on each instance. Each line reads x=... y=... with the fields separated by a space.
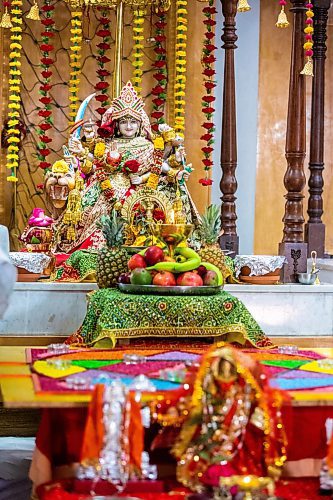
x=58 y=309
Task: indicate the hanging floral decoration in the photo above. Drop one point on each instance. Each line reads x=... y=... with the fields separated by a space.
x=208 y=61
x=46 y=48
x=180 y=66
x=308 y=45
x=14 y=105
x=102 y=73
x=5 y=19
x=137 y=62
x=243 y=6
x=33 y=13
x=282 y=21
x=161 y=73
x=75 y=64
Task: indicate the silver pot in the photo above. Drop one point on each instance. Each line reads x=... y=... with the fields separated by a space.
x=306 y=278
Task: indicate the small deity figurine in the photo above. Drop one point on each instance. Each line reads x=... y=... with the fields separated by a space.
x=108 y=164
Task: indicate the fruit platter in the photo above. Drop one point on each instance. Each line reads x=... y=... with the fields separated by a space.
x=154 y=271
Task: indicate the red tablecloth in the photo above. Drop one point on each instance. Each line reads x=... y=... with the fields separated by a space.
x=60 y=433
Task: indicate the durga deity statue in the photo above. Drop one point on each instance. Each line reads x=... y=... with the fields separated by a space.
x=108 y=164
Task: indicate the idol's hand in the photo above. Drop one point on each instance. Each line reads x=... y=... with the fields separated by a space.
x=180 y=154
x=75 y=146
x=135 y=179
x=184 y=175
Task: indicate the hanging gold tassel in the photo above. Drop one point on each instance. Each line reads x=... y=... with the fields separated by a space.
x=243 y=6
x=282 y=21
x=34 y=12
x=308 y=68
x=5 y=20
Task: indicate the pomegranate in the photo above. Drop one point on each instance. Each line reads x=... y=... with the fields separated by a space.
x=189 y=279
x=164 y=278
x=210 y=279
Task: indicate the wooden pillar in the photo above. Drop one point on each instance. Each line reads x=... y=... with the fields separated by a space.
x=293 y=246
x=315 y=229
x=229 y=240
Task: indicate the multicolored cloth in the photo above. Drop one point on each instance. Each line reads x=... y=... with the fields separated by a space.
x=80 y=266
x=112 y=314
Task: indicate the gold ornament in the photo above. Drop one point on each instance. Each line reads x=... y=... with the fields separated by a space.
x=243 y=6
x=282 y=21
x=308 y=68
x=34 y=12
x=5 y=20
x=150 y=199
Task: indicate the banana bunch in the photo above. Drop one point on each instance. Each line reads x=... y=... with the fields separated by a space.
x=186 y=260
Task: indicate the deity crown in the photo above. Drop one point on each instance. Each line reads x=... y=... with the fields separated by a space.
x=128 y=103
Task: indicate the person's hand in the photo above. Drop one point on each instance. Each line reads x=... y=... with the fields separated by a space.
x=75 y=146
x=135 y=179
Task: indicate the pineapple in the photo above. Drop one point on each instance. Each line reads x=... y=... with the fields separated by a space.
x=112 y=259
x=210 y=231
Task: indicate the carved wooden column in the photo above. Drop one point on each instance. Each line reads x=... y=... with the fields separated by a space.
x=292 y=245
x=315 y=229
x=229 y=240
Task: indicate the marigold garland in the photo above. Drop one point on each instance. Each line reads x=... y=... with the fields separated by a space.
x=180 y=66
x=137 y=62
x=75 y=64
x=159 y=91
x=14 y=104
x=208 y=60
x=308 y=45
x=102 y=59
x=46 y=48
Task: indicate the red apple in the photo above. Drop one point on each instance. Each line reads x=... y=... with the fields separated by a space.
x=136 y=261
x=189 y=279
x=153 y=255
x=164 y=278
x=210 y=279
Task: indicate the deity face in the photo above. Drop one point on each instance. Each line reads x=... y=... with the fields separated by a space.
x=128 y=127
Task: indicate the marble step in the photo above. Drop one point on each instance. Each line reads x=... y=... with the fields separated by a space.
x=58 y=309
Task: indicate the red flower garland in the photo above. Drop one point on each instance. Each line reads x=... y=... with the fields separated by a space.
x=102 y=86
x=44 y=90
x=161 y=75
x=208 y=60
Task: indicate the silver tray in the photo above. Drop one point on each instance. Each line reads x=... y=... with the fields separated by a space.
x=169 y=290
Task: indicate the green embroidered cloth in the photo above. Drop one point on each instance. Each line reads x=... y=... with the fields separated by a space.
x=112 y=314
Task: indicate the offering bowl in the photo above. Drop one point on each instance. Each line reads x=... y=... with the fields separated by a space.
x=172 y=234
x=306 y=278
